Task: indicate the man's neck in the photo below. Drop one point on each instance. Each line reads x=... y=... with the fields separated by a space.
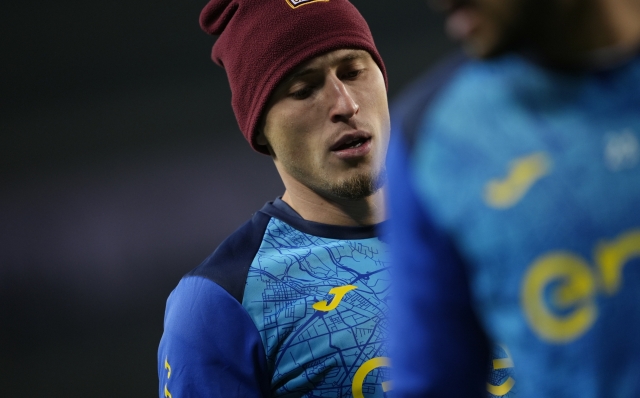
x=334 y=211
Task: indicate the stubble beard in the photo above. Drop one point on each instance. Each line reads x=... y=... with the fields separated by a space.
x=359 y=186
x=352 y=188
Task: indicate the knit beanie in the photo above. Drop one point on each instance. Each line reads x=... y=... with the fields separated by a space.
x=261 y=41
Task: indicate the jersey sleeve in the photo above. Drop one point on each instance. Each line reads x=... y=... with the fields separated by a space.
x=438 y=347
x=210 y=347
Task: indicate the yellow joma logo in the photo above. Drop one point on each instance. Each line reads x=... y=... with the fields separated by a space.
x=523 y=173
x=339 y=293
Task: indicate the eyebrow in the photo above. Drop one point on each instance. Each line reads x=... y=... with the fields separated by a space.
x=352 y=56
x=355 y=55
x=300 y=73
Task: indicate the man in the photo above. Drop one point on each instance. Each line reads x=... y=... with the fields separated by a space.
x=514 y=186
x=294 y=302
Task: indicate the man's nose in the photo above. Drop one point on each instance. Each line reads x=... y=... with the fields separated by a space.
x=344 y=106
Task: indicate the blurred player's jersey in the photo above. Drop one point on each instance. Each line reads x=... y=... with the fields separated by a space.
x=533 y=177
x=283 y=308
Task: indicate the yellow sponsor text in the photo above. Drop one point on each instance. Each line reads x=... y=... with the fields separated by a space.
x=167 y=367
x=363 y=371
x=559 y=289
x=502 y=363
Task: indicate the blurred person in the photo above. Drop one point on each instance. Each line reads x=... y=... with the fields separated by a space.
x=514 y=182
x=294 y=302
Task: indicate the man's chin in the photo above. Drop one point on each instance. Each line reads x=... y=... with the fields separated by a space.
x=359 y=186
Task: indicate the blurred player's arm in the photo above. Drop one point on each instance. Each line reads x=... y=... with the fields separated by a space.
x=438 y=347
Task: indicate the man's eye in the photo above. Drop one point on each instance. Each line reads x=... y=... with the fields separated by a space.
x=302 y=93
x=352 y=74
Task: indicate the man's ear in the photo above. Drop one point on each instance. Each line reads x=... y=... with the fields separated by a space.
x=261 y=139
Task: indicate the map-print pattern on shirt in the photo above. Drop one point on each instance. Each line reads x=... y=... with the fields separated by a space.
x=320 y=305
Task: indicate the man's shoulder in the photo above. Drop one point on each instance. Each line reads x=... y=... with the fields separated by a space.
x=276 y=224
x=229 y=264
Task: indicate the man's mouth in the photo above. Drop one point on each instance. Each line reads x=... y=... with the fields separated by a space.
x=354 y=142
x=352 y=145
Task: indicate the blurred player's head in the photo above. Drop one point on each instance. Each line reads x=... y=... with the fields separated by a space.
x=488 y=28
x=559 y=31
x=308 y=87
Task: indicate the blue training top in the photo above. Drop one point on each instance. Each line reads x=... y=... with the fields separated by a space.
x=514 y=203
x=283 y=308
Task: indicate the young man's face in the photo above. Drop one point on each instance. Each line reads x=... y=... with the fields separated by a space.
x=491 y=27
x=327 y=125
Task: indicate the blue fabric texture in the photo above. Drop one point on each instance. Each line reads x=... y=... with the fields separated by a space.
x=423 y=364
x=283 y=308
x=210 y=347
x=518 y=195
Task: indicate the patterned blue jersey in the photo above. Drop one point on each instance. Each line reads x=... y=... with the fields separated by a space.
x=515 y=218
x=283 y=308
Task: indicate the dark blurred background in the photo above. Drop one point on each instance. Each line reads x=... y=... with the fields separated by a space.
x=122 y=167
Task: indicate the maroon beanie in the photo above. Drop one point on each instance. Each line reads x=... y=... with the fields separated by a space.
x=261 y=41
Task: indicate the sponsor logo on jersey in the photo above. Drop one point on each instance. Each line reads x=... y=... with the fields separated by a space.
x=560 y=289
x=298 y=3
x=167 y=367
x=523 y=173
x=357 y=387
x=621 y=150
x=501 y=381
x=338 y=293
